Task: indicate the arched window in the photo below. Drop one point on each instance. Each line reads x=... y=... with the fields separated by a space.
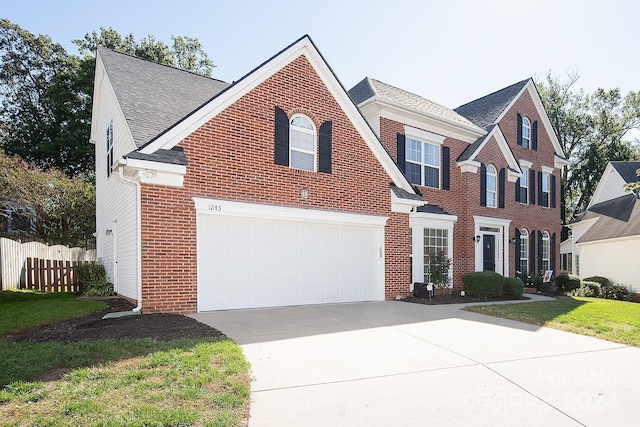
x=546 y=251
x=302 y=148
x=524 y=252
x=492 y=186
x=526 y=132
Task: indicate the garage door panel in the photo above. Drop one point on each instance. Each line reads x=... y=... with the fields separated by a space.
x=249 y=262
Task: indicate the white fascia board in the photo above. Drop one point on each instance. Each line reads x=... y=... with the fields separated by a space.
x=219 y=207
x=148 y=172
x=533 y=92
x=610 y=240
x=502 y=144
x=401 y=205
x=560 y=162
x=584 y=223
x=154 y=166
x=423 y=135
x=420 y=119
x=469 y=166
x=303 y=47
x=417 y=219
x=513 y=176
x=97 y=83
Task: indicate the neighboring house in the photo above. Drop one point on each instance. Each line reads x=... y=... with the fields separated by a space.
x=279 y=190
x=605 y=238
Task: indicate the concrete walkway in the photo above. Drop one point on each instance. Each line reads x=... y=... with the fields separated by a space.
x=400 y=364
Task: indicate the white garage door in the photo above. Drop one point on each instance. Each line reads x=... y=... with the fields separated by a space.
x=247 y=262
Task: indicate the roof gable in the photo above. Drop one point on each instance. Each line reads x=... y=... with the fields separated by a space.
x=472 y=151
x=152 y=96
x=627 y=170
x=485 y=111
x=616 y=218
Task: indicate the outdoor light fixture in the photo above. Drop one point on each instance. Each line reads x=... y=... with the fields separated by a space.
x=476 y=239
x=109 y=232
x=513 y=240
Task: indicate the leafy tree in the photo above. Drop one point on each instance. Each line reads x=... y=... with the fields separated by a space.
x=591 y=130
x=62 y=208
x=45 y=110
x=634 y=186
x=186 y=53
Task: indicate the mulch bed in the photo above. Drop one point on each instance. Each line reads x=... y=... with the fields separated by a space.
x=456 y=298
x=159 y=326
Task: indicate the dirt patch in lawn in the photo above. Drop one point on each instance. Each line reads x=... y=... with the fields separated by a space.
x=159 y=326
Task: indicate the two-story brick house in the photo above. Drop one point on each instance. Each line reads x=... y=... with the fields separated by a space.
x=488 y=171
x=279 y=190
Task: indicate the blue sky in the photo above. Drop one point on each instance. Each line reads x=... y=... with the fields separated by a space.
x=450 y=51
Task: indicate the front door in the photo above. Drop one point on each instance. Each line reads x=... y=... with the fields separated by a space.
x=488 y=252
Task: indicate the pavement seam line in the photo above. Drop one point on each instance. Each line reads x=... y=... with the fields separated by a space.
x=477 y=362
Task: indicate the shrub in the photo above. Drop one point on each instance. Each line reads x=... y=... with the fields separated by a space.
x=513 y=287
x=93 y=278
x=567 y=283
x=587 y=289
x=603 y=281
x=618 y=292
x=483 y=284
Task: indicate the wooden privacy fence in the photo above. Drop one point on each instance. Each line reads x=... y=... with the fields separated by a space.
x=13 y=259
x=46 y=275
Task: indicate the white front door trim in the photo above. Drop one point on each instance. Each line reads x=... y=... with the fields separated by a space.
x=502 y=242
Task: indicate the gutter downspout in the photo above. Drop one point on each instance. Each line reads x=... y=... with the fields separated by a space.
x=138 y=236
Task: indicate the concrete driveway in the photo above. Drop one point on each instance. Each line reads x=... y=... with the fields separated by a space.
x=400 y=364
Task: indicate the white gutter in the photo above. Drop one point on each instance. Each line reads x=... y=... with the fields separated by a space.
x=138 y=237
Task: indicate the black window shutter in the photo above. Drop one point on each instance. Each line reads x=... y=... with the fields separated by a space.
x=534 y=136
x=532 y=252
x=553 y=191
x=517 y=256
x=517 y=190
x=519 y=129
x=400 y=151
x=446 y=169
x=483 y=185
x=532 y=186
x=540 y=195
x=539 y=250
x=552 y=252
x=501 y=184
x=324 y=147
x=281 y=147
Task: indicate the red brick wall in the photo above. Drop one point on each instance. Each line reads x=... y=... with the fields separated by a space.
x=231 y=157
x=463 y=199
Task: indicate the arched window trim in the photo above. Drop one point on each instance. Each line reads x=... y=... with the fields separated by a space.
x=492 y=186
x=546 y=251
x=298 y=154
x=526 y=132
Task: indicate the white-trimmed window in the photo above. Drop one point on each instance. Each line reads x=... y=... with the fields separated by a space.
x=524 y=252
x=422 y=163
x=436 y=240
x=546 y=251
x=492 y=186
x=302 y=147
x=545 y=190
x=524 y=186
x=526 y=132
x=109 y=148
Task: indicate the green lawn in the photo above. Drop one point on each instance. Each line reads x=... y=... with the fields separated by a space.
x=142 y=382
x=617 y=321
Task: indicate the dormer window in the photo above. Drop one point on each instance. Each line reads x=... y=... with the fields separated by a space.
x=302 y=150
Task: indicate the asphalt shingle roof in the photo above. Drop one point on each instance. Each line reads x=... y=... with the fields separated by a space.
x=484 y=111
x=175 y=156
x=402 y=194
x=627 y=170
x=154 y=97
x=619 y=217
x=369 y=87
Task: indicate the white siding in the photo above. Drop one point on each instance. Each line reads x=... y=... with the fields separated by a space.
x=116 y=199
x=616 y=259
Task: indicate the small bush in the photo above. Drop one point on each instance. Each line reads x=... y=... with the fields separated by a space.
x=567 y=283
x=513 y=287
x=618 y=292
x=603 y=281
x=93 y=278
x=483 y=284
x=587 y=289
